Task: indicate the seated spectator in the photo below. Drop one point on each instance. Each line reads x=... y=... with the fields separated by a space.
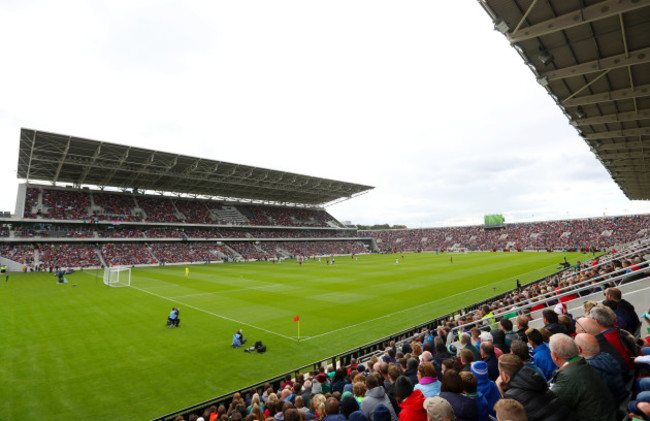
x=465 y=408
x=541 y=353
x=626 y=316
x=578 y=385
x=520 y=349
x=469 y=388
x=428 y=382
x=466 y=359
x=375 y=395
x=528 y=387
x=606 y=319
x=466 y=343
x=487 y=352
x=486 y=387
x=551 y=322
x=332 y=410
x=439 y=409
x=605 y=365
x=510 y=410
x=410 y=400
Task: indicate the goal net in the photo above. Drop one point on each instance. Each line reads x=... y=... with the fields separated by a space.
x=117 y=276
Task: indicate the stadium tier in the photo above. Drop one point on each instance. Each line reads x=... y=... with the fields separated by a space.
x=65 y=219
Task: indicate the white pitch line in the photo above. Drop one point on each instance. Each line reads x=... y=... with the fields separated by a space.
x=392 y=314
x=214 y=314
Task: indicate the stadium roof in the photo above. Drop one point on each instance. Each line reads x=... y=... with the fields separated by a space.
x=593 y=58
x=60 y=158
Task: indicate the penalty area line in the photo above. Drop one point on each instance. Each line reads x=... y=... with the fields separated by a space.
x=214 y=314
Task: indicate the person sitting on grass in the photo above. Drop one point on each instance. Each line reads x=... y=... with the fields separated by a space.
x=174 y=320
x=238 y=339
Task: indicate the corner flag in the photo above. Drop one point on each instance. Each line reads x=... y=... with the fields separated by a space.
x=297 y=319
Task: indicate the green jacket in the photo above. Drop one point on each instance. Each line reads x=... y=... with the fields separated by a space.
x=581 y=389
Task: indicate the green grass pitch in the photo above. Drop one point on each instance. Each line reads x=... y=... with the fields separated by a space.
x=90 y=351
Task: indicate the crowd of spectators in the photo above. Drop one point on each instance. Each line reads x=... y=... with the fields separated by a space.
x=127 y=254
x=20 y=253
x=579 y=234
x=66 y=204
x=115 y=207
x=181 y=253
x=68 y=255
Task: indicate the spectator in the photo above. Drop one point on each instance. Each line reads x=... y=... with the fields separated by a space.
x=438 y=409
x=605 y=365
x=486 y=387
x=375 y=395
x=410 y=400
x=466 y=343
x=541 y=353
x=487 y=352
x=469 y=388
x=412 y=370
x=428 y=382
x=528 y=387
x=510 y=410
x=465 y=408
x=606 y=319
x=520 y=349
x=551 y=322
x=626 y=316
x=578 y=385
x=332 y=410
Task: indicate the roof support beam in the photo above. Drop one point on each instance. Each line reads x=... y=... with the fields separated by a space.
x=644 y=131
x=62 y=160
x=86 y=170
x=598 y=11
x=625 y=93
x=621 y=60
x=615 y=118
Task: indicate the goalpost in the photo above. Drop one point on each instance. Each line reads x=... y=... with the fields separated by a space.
x=117 y=276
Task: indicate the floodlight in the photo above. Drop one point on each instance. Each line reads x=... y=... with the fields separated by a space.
x=543 y=81
x=580 y=112
x=501 y=26
x=544 y=56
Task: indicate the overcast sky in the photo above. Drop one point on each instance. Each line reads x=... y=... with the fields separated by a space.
x=421 y=99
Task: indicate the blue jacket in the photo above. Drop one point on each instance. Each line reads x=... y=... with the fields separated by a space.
x=542 y=359
x=489 y=390
x=608 y=369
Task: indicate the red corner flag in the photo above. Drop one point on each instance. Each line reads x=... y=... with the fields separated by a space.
x=296 y=319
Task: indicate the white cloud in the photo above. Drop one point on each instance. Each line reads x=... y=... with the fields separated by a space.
x=422 y=100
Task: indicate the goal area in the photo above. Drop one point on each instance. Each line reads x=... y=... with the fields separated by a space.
x=117 y=276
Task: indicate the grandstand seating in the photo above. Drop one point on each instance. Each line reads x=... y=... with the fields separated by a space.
x=580 y=234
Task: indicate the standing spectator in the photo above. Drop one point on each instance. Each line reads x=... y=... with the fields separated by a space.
x=577 y=385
